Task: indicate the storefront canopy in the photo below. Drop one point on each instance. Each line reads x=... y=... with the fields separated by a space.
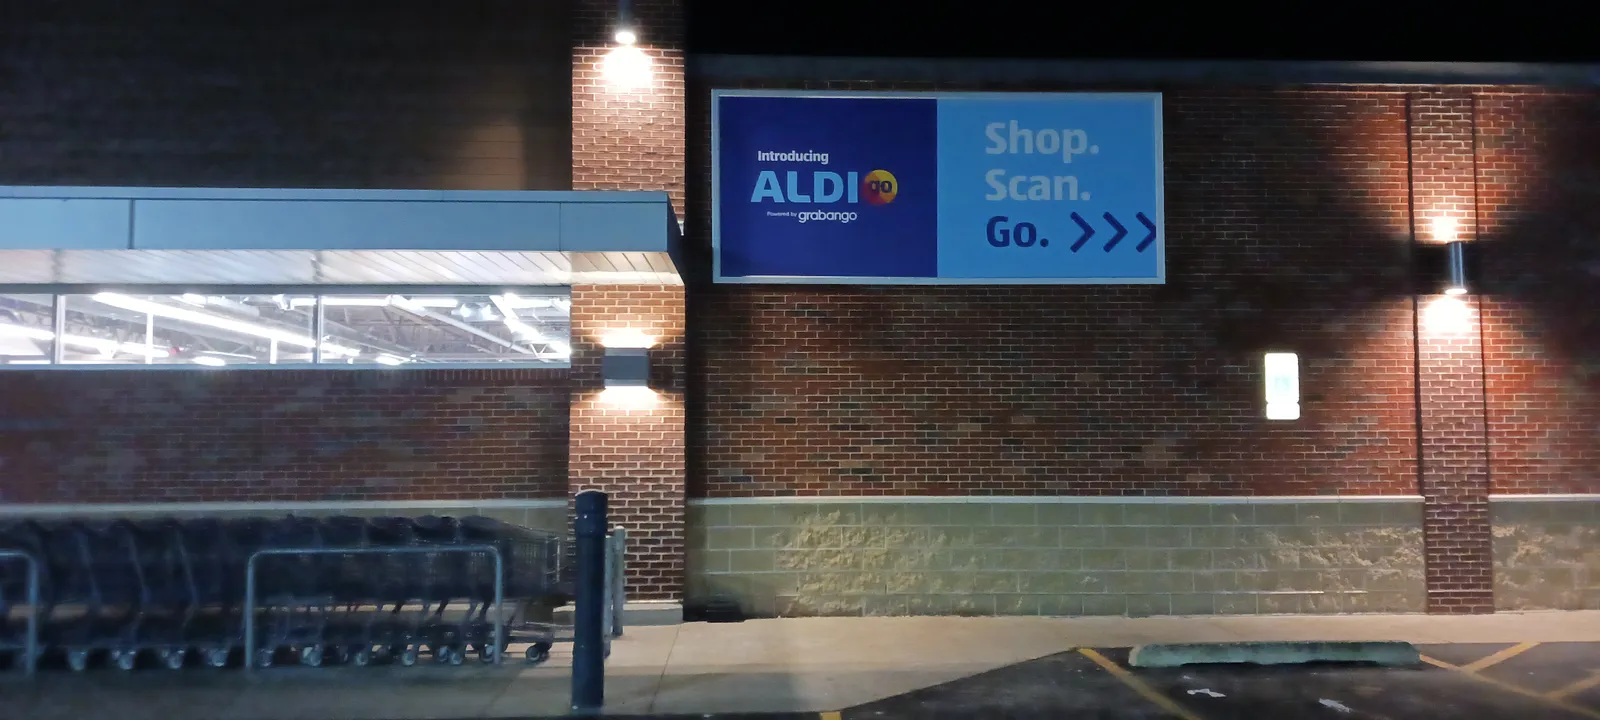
x=66 y=236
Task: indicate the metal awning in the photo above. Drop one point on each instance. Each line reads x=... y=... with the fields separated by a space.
x=74 y=236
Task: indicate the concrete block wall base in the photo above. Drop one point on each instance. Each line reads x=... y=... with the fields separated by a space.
x=638 y=613
x=1392 y=654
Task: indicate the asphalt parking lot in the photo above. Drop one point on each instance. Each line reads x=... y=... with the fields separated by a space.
x=1527 y=681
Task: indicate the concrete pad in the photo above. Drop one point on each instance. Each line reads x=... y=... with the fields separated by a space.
x=1389 y=654
x=636 y=613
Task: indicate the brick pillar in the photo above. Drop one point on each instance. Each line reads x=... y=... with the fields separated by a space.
x=628 y=134
x=631 y=445
x=628 y=104
x=1454 y=452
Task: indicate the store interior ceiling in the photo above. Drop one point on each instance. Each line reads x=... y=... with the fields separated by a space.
x=221 y=329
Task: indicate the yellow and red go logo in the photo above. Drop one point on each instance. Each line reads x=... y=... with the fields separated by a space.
x=879 y=187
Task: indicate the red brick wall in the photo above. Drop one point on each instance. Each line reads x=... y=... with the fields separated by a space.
x=1538 y=160
x=629 y=138
x=206 y=436
x=632 y=448
x=1287 y=230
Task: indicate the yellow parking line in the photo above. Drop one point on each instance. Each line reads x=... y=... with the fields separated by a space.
x=1573 y=689
x=1499 y=657
x=1508 y=687
x=830 y=715
x=1138 y=686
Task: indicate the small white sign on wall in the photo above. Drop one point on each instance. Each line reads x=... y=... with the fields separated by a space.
x=1282 y=379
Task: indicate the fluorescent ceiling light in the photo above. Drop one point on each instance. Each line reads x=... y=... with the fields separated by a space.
x=210 y=361
x=374 y=301
x=516 y=326
x=387 y=359
x=199 y=318
x=104 y=346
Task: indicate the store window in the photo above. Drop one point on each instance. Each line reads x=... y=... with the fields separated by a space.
x=288 y=328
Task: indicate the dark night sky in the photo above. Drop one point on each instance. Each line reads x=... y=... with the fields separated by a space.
x=1131 y=31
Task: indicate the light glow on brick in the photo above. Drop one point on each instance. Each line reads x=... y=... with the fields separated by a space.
x=626 y=68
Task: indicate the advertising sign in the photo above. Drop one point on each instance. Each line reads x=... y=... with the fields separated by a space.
x=937 y=188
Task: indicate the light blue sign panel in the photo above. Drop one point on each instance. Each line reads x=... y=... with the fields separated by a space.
x=880 y=188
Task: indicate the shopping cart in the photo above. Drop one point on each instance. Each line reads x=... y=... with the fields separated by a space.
x=346 y=589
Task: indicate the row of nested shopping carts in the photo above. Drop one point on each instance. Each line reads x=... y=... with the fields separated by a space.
x=254 y=590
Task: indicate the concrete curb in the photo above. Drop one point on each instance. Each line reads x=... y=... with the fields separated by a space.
x=1391 y=654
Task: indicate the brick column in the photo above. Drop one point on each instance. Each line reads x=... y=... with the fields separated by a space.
x=631 y=445
x=628 y=104
x=628 y=134
x=1452 y=425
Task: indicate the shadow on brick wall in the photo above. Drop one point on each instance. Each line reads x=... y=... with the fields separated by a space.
x=1539 y=168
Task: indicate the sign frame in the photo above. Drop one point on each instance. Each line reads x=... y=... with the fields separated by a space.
x=1160 y=209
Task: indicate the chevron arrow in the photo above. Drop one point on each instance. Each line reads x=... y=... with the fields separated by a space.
x=1122 y=232
x=1148 y=239
x=1088 y=232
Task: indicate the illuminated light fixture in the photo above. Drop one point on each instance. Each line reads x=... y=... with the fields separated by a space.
x=626 y=368
x=1456 y=256
x=199 y=318
x=1282 y=380
x=625 y=34
x=101 y=345
x=387 y=359
x=209 y=361
x=527 y=332
x=375 y=301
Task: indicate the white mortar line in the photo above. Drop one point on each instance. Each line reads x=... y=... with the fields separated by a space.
x=21 y=509
x=1059 y=499
x=1569 y=497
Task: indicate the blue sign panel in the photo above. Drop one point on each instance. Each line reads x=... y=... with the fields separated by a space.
x=879 y=188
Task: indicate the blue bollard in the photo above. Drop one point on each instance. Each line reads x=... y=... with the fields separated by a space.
x=588 y=648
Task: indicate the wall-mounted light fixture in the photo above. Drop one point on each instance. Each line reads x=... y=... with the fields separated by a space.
x=626 y=33
x=626 y=368
x=1445 y=262
x=1456 y=273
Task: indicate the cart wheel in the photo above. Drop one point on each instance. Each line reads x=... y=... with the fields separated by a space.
x=217 y=657
x=361 y=657
x=78 y=660
x=341 y=654
x=264 y=658
x=486 y=652
x=408 y=656
x=456 y=655
x=125 y=659
x=537 y=654
x=311 y=656
x=173 y=660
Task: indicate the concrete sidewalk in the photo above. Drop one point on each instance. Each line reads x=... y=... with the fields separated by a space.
x=792 y=665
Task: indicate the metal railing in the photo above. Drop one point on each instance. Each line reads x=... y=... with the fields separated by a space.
x=30 y=642
x=250 y=585
x=616 y=580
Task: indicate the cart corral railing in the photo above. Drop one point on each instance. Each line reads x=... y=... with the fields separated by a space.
x=31 y=612
x=30 y=639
